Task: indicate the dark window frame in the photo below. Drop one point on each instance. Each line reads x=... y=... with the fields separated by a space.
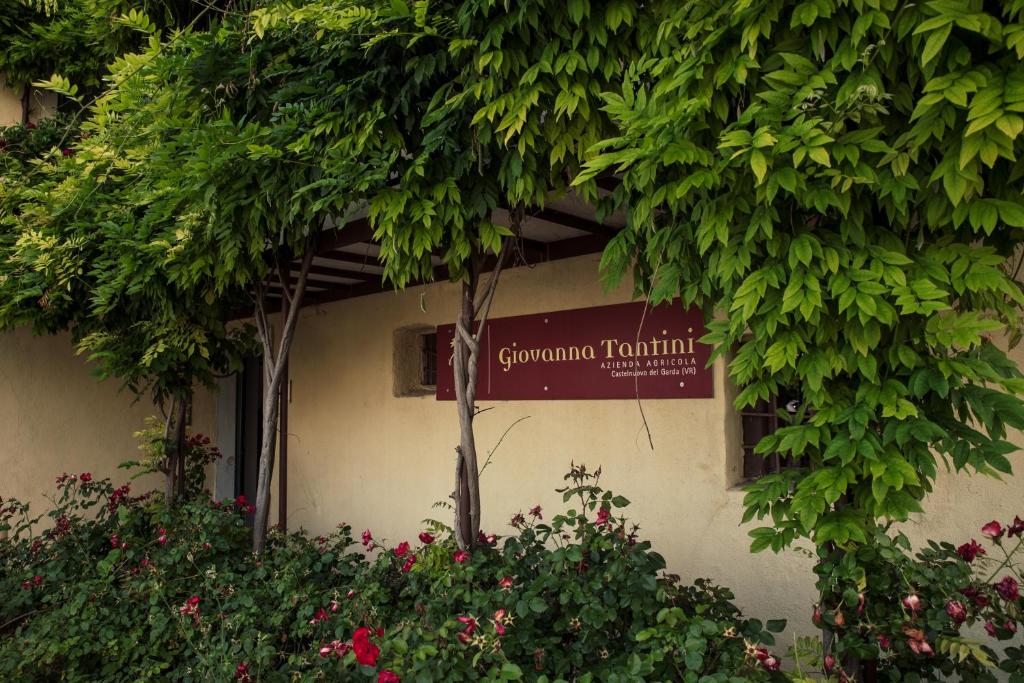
x=428 y=359
x=757 y=422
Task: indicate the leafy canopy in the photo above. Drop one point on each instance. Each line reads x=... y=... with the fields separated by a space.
x=838 y=182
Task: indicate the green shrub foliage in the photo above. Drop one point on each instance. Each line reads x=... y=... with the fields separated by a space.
x=838 y=182
x=119 y=589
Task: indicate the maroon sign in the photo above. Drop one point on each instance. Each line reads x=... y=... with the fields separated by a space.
x=617 y=351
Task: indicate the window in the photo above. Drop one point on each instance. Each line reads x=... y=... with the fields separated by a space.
x=760 y=420
x=428 y=360
x=415 y=361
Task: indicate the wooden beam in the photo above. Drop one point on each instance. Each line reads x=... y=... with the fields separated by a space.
x=577 y=246
x=350 y=274
x=576 y=222
x=353 y=232
x=348 y=257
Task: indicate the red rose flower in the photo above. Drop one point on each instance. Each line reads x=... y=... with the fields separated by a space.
x=402 y=549
x=602 y=516
x=771 y=663
x=884 y=642
x=990 y=628
x=320 y=615
x=409 y=562
x=241 y=501
x=506 y=583
x=1017 y=528
x=461 y=556
x=426 y=539
x=956 y=611
x=993 y=530
x=535 y=512
x=388 y=676
x=830 y=664
x=242 y=673
x=470 y=628
x=975 y=596
x=67 y=151
x=1008 y=589
x=366 y=652
x=367 y=538
x=85 y=476
x=969 y=551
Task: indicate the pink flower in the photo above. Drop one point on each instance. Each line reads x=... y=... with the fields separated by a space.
x=499 y=622
x=990 y=628
x=334 y=605
x=338 y=648
x=320 y=615
x=461 y=556
x=242 y=673
x=535 y=512
x=883 y=641
x=85 y=476
x=388 y=676
x=830 y=664
x=486 y=539
x=771 y=663
x=969 y=551
x=1010 y=626
x=425 y=538
x=920 y=647
x=1008 y=588
x=402 y=549
x=367 y=538
x=602 y=516
x=506 y=583
x=956 y=611
x=993 y=530
x=409 y=562
x=351 y=594
x=912 y=603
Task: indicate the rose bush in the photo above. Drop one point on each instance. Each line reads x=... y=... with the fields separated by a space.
x=118 y=588
x=948 y=610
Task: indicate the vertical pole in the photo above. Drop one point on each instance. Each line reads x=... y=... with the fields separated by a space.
x=282 y=417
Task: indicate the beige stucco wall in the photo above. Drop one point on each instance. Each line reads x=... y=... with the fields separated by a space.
x=56 y=417
x=40 y=104
x=361 y=455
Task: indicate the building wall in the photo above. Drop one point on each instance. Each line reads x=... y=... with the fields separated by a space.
x=56 y=417
x=361 y=455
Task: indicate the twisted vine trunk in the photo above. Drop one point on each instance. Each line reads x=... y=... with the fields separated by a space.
x=466 y=359
x=174 y=450
x=275 y=360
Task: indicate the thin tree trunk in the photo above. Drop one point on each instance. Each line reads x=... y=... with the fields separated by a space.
x=274 y=363
x=182 y=453
x=465 y=367
x=174 y=429
x=26 y=104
